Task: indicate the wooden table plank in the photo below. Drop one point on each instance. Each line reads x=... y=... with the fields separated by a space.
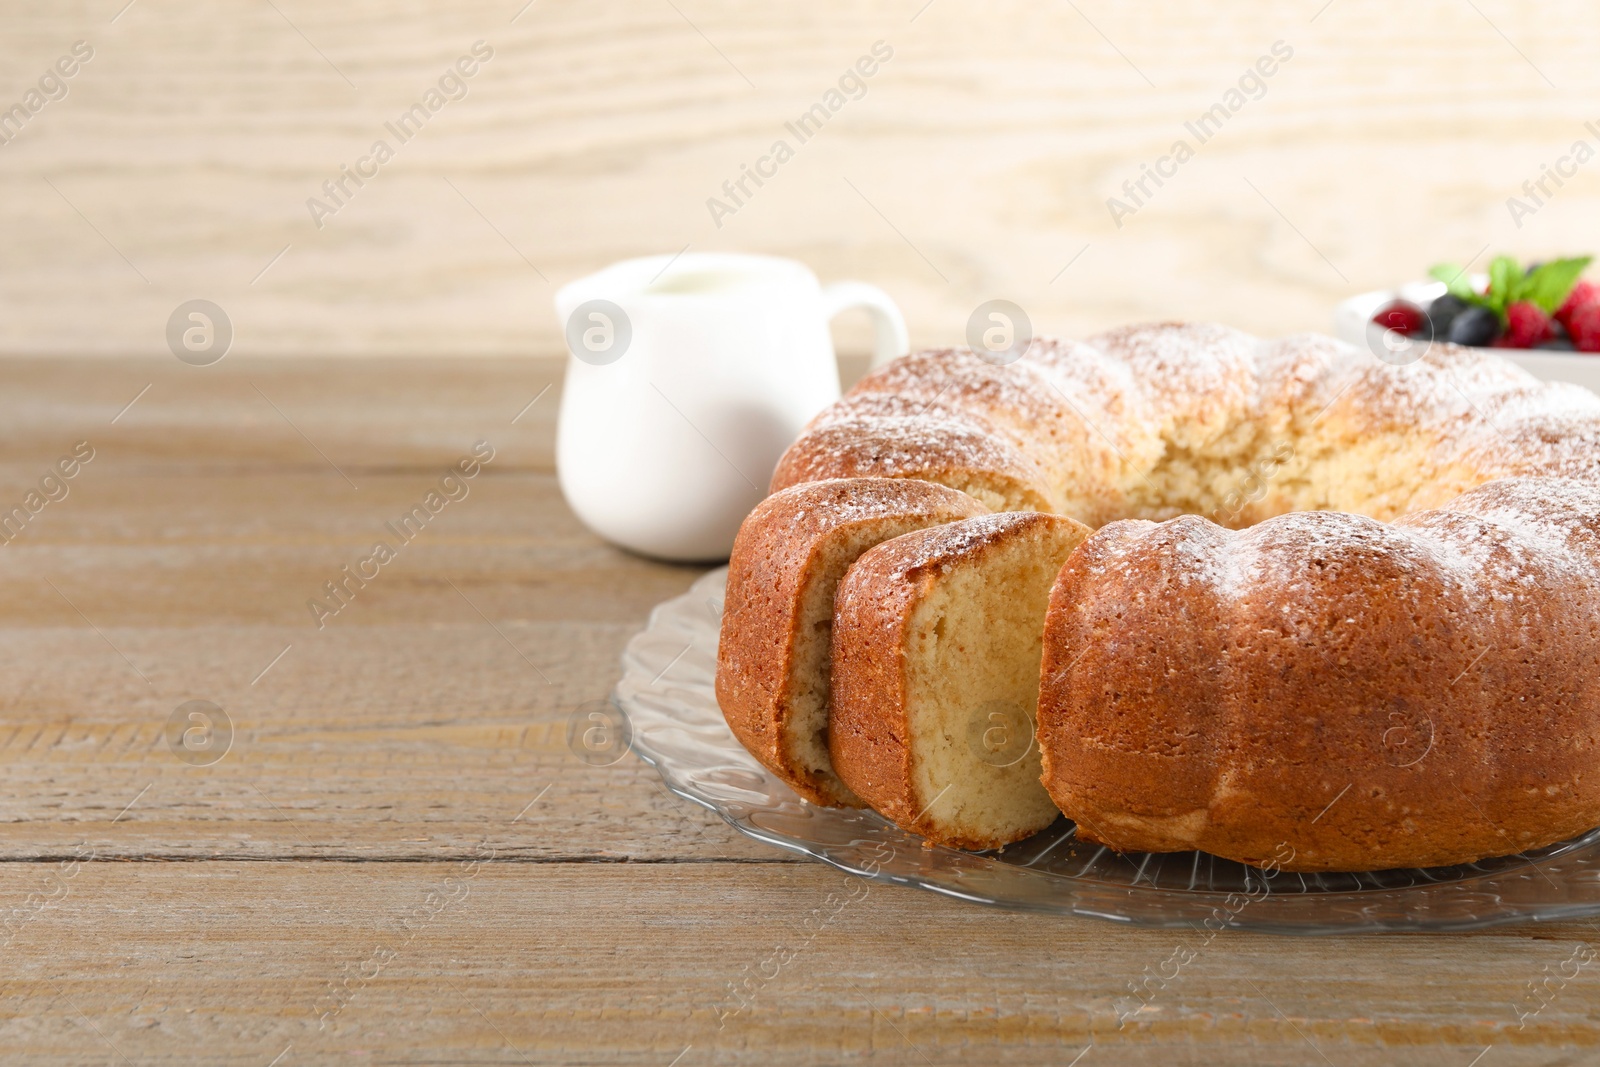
x=518 y=962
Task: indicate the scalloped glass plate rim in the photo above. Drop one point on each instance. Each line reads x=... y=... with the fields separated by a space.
x=677 y=727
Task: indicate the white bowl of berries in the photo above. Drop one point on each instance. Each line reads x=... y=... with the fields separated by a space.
x=1544 y=317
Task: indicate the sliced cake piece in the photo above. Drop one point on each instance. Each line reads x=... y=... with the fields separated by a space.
x=937 y=639
x=773 y=657
x=881 y=435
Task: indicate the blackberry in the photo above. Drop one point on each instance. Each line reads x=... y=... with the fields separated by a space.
x=1443 y=312
x=1474 y=326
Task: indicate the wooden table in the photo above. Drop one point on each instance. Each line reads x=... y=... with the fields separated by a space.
x=399 y=860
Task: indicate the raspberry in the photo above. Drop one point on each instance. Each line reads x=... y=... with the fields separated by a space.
x=1584 y=325
x=1584 y=293
x=1402 y=317
x=1527 y=327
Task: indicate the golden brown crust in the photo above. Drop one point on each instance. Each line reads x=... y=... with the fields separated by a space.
x=867 y=735
x=788 y=543
x=1328 y=692
x=868 y=723
x=1148 y=684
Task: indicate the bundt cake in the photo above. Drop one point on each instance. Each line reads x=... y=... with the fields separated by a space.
x=1332 y=606
x=773 y=660
x=937 y=639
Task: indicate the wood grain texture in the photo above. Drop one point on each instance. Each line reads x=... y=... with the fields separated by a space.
x=978 y=164
x=314 y=895
x=234 y=963
x=179 y=566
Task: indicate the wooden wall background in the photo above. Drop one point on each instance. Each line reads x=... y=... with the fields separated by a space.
x=977 y=165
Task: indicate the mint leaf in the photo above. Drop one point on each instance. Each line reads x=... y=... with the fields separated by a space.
x=1550 y=284
x=1505 y=282
x=1456 y=281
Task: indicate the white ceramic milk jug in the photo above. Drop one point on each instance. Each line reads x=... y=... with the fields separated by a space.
x=686 y=379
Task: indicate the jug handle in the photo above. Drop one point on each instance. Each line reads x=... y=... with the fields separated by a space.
x=889 y=326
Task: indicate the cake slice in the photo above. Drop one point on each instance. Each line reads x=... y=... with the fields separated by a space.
x=937 y=640
x=773 y=656
x=881 y=435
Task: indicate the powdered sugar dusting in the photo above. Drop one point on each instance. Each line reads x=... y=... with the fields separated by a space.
x=953 y=541
x=842 y=501
x=891 y=436
x=1076 y=421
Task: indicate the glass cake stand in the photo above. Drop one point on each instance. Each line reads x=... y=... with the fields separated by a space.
x=666 y=692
